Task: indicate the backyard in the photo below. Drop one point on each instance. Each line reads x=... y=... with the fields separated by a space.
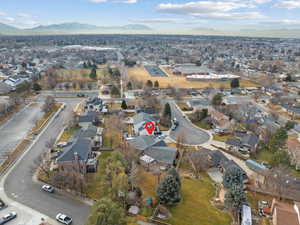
x=195 y=207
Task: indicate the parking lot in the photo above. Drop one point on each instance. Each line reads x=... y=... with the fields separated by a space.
x=155 y=71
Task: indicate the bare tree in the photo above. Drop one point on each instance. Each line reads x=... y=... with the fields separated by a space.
x=48 y=105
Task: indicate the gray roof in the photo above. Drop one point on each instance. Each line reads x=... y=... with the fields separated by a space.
x=162 y=154
x=192 y=69
x=237 y=99
x=234 y=142
x=145 y=141
x=89 y=117
x=142 y=117
x=91 y=131
x=250 y=139
x=82 y=147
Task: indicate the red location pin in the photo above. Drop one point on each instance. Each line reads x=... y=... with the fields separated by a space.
x=150 y=127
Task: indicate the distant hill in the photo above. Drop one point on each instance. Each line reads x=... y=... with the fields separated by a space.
x=64 y=27
x=73 y=28
x=7 y=29
x=85 y=28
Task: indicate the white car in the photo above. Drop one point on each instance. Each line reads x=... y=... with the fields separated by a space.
x=63 y=219
x=48 y=188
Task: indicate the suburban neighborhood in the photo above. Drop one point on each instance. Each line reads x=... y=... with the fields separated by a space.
x=129 y=129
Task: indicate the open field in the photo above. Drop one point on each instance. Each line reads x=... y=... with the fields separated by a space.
x=79 y=74
x=141 y=74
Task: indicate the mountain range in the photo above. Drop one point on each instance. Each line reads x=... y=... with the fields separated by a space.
x=72 y=28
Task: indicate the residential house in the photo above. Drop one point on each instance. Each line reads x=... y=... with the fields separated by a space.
x=243 y=142
x=153 y=150
x=94 y=104
x=139 y=121
x=78 y=157
x=219 y=120
x=237 y=100
x=87 y=119
x=285 y=213
x=293 y=111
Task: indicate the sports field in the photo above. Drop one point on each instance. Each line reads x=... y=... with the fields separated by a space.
x=141 y=74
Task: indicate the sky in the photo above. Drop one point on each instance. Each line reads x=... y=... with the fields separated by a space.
x=167 y=15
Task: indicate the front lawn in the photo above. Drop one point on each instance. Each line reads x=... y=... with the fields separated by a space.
x=195 y=207
x=68 y=133
x=222 y=138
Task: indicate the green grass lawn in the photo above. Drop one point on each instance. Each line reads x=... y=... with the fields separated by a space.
x=68 y=134
x=195 y=208
x=200 y=124
x=222 y=138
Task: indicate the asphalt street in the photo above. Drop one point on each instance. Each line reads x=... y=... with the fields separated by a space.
x=192 y=135
x=16 y=129
x=19 y=185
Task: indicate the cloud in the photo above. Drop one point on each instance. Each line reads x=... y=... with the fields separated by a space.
x=2 y=14
x=24 y=15
x=213 y=9
x=262 y=1
x=230 y=16
x=290 y=4
x=191 y=8
x=97 y=1
x=157 y=20
x=283 y=22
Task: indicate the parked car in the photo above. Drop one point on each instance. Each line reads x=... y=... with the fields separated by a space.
x=48 y=188
x=261 y=212
x=8 y=217
x=80 y=95
x=61 y=144
x=62 y=218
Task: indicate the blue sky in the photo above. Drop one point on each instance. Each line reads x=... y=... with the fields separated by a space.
x=158 y=14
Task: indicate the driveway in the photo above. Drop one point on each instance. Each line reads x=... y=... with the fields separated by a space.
x=192 y=134
x=19 y=185
x=16 y=129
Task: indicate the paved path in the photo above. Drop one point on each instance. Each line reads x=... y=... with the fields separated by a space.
x=192 y=134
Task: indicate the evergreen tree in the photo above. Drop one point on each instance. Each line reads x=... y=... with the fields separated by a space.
x=167 y=110
x=173 y=172
x=235 y=198
x=93 y=74
x=124 y=105
x=235 y=83
x=233 y=176
x=129 y=85
x=156 y=84
x=168 y=191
